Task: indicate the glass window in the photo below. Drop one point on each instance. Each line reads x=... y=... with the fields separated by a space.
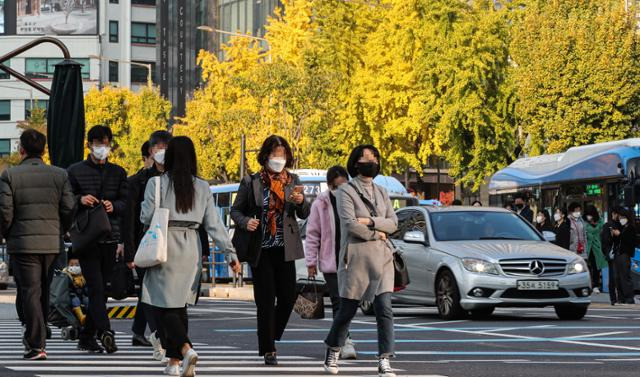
x=143 y=33
x=113 y=1
x=113 y=72
x=43 y=68
x=113 y=31
x=139 y=74
x=223 y=199
x=41 y=103
x=143 y=2
x=5 y=147
x=234 y=17
x=480 y=225
x=3 y=74
x=5 y=110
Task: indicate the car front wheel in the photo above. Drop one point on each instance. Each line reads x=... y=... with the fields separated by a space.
x=571 y=312
x=448 y=297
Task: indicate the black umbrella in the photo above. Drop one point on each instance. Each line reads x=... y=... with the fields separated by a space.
x=65 y=115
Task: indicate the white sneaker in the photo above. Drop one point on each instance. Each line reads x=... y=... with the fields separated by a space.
x=331 y=360
x=596 y=291
x=189 y=364
x=348 y=352
x=172 y=370
x=158 y=351
x=384 y=368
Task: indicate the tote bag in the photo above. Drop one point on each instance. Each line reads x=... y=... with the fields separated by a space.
x=153 y=246
x=310 y=301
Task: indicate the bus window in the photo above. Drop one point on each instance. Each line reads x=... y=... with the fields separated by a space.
x=222 y=200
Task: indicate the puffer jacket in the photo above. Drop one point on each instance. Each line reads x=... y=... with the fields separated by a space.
x=105 y=182
x=36 y=207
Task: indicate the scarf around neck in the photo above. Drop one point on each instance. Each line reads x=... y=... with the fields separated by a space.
x=276 y=183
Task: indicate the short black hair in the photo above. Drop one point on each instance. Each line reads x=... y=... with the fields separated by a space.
x=159 y=137
x=144 y=150
x=335 y=172
x=574 y=205
x=456 y=202
x=99 y=132
x=476 y=202
x=562 y=210
x=33 y=142
x=269 y=145
x=355 y=155
x=546 y=215
x=520 y=195
x=593 y=212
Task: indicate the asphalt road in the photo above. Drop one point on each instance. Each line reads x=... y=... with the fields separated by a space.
x=513 y=342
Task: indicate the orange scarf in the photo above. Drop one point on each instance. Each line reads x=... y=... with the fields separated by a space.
x=277 y=183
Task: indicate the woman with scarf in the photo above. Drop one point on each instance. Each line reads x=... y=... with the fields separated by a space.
x=596 y=259
x=266 y=207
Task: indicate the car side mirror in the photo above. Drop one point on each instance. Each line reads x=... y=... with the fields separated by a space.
x=549 y=236
x=415 y=236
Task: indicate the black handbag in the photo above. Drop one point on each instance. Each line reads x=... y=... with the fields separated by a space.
x=121 y=283
x=310 y=301
x=89 y=226
x=401 y=274
x=244 y=241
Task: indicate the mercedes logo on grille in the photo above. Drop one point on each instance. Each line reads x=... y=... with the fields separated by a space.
x=536 y=267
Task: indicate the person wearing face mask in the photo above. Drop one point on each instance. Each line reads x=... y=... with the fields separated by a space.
x=626 y=236
x=562 y=228
x=78 y=292
x=322 y=243
x=134 y=230
x=578 y=234
x=98 y=182
x=522 y=208
x=610 y=244
x=266 y=207
x=543 y=222
x=596 y=259
x=365 y=270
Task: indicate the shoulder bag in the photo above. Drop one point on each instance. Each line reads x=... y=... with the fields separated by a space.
x=153 y=246
x=243 y=240
x=89 y=226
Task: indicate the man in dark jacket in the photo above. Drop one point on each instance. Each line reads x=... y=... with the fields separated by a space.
x=36 y=208
x=134 y=231
x=95 y=181
x=522 y=208
x=610 y=244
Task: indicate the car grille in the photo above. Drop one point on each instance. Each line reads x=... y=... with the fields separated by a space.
x=521 y=267
x=534 y=295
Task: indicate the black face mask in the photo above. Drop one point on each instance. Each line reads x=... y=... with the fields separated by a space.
x=368 y=169
x=519 y=206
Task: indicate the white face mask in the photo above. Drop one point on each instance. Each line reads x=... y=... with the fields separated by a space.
x=557 y=216
x=589 y=217
x=623 y=222
x=277 y=164
x=540 y=219
x=74 y=270
x=101 y=152
x=159 y=156
x=576 y=214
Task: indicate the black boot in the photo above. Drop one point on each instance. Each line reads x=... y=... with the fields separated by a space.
x=140 y=341
x=108 y=340
x=270 y=359
x=89 y=345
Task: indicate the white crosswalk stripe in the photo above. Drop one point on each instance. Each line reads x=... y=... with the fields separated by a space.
x=65 y=360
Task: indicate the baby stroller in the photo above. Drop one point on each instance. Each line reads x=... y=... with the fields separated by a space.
x=60 y=311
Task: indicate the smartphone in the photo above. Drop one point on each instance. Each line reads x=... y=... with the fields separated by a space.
x=299 y=189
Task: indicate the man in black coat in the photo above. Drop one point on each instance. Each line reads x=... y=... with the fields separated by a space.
x=522 y=208
x=610 y=244
x=36 y=208
x=96 y=181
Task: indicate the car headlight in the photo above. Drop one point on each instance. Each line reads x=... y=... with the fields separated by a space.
x=577 y=266
x=479 y=266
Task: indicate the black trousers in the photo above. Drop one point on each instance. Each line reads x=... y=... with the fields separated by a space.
x=144 y=314
x=32 y=271
x=97 y=267
x=173 y=329
x=274 y=290
x=623 y=278
x=613 y=287
x=593 y=270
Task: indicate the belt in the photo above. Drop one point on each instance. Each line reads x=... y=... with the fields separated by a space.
x=184 y=224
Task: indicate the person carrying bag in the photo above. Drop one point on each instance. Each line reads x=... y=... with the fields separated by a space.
x=153 y=246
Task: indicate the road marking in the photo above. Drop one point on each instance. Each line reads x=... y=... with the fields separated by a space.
x=597 y=335
x=605 y=316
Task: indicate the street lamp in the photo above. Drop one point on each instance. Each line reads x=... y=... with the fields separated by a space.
x=145 y=65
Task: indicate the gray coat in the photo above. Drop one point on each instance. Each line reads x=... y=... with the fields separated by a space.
x=578 y=234
x=366 y=262
x=174 y=284
x=36 y=207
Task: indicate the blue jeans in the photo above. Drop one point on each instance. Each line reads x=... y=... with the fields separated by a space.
x=384 y=319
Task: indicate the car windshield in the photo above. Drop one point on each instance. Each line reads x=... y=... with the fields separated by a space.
x=479 y=225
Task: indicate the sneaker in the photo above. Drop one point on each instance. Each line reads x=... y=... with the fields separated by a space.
x=35 y=355
x=384 y=368
x=140 y=341
x=596 y=291
x=348 y=352
x=158 y=351
x=331 y=360
x=108 y=341
x=270 y=359
x=89 y=345
x=172 y=370
x=189 y=364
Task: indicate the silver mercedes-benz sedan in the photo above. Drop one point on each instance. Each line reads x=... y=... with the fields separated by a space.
x=470 y=260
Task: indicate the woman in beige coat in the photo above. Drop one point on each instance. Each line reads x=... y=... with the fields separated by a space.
x=365 y=269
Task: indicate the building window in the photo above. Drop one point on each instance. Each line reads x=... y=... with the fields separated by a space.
x=139 y=74
x=41 y=103
x=3 y=74
x=113 y=1
x=113 y=31
x=113 y=72
x=5 y=109
x=143 y=2
x=43 y=68
x=5 y=147
x=143 y=33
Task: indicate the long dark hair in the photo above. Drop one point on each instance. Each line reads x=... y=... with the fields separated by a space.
x=181 y=167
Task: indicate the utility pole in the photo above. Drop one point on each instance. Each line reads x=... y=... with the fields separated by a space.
x=243 y=151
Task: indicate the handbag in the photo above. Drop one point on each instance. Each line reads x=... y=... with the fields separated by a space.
x=89 y=226
x=400 y=272
x=152 y=250
x=244 y=241
x=121 y=281
x=310 y=302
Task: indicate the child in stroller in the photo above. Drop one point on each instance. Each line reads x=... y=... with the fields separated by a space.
x=69 y=300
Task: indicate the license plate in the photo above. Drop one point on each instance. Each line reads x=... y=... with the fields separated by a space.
x=537 y=285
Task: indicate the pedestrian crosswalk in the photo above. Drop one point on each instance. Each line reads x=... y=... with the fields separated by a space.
x=214 y=360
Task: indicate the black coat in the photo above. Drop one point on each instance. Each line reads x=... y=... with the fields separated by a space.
x=563 y=234
x=627 y=241
x=607 y=239
x=105 y=182
x=133 y=228
x=546 y=227
x=527 y=213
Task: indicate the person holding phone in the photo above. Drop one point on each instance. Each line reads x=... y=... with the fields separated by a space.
x=269 y=202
